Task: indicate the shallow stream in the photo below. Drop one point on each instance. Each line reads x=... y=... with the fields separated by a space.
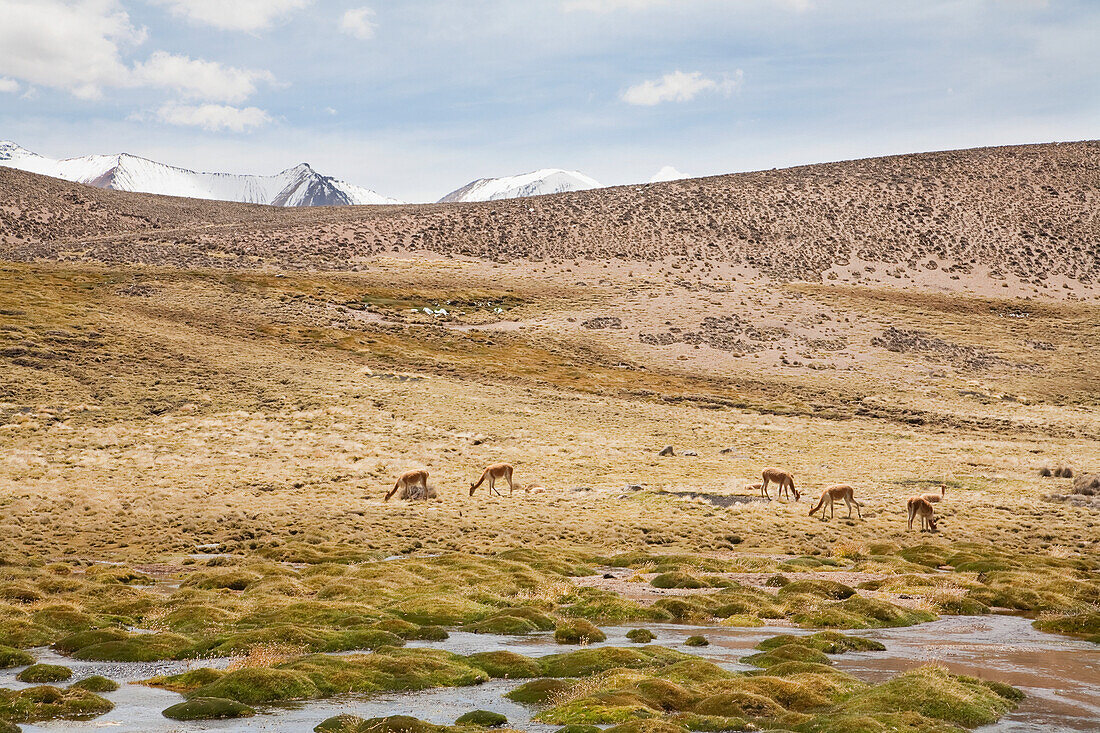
x=1060 y=675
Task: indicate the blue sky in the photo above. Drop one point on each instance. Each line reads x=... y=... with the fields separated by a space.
x=414 y=98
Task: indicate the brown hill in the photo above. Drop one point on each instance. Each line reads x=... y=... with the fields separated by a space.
x=1025 y=213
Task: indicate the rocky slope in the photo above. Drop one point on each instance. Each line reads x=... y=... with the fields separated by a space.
x=1023 y=214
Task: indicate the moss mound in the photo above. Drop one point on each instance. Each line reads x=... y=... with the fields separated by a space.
x=742 y=620
x=391 y=724
x=677 y=579
x=482 y=719
x=540 y=691
x=604 y=708
x=604 y=606
x=33 y=704
x=406 y=630
x=576 y=728
x=696 y=640
x=739 y=704
x=137 y=648
x=685 y=609
x=224 y=580
x=11 y=657
x=857 y=613
x=1086 y=623
x=502 y=624
x=253 y=685
x=22 y=633
x=935 y=693
x=397 y=669
x=6 y=727
x=505 y=664
x=648 y=726
x=786 y=653
x=44 y=673
x=692 y=672
x=640 y=636
x=829 y=589
x=443 y=609
x=830 y=642
x=71 y=643
x=186 y=681
x=208 y=708
x=95 y=683
x=584 y=662
x=578 y=631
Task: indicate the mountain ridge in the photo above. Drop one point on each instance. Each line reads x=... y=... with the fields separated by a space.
x=299 y=185
x=524 y=185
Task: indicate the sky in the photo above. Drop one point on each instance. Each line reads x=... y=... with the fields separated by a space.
x=415 y=98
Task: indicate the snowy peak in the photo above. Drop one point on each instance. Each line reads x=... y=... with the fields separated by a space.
x=297 y=186
x=536 y=183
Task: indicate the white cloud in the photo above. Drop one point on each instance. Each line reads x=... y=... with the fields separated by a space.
x=213 y=117
x=607 y=6
x=199 y=79
x=667 y=173
x=358 y=22
x=233 y=15
x=66 y=45
x=679 y=87
x=8 y=85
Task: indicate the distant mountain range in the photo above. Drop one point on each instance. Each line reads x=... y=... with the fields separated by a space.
x=537 y=183
x=297 y=186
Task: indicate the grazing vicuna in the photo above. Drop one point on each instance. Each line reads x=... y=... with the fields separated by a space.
x=834 y=494
x=781 y=477
x=491 y=474
x=919 y=507
x=408 y=480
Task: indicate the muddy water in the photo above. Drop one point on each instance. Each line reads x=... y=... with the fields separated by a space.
x=1061 y=676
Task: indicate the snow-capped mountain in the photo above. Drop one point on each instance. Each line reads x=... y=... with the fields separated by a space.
x=547 y=180
x=297 y=186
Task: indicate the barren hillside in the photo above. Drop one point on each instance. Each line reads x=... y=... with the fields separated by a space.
x=1024 y=214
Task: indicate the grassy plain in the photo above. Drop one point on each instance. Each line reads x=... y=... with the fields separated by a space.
x=204 y=454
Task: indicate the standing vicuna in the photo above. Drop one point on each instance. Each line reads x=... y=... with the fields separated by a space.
x=408 y=480
x=834 y=494
x=491 y=474
x=781 y=477
x=935 y=498
x=920 y=507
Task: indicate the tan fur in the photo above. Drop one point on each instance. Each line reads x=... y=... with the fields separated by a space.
x=834 y=494
x=753 y=487
x=919 y=507
x=934 y=498
x=781 y=477
x=410 y=479
x=492 y=473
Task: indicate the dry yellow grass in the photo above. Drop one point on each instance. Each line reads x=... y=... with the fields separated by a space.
x=246 y=409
